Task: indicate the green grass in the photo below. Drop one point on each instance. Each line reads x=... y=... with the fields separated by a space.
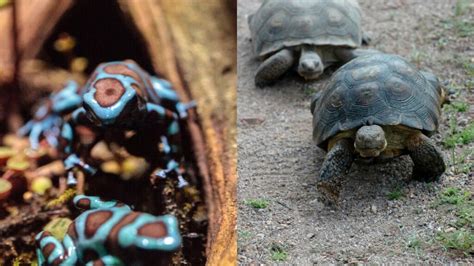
x=461 y=7
x=395 y=194
x=278 y=252
x=465 y=216
x=460 y=162
x=458 y=107
x=257 y=203
x=414 y=242
x=464 y=28
x=469 y=68
x=461 y=240
x=244 y=235
x=417 y=56
x=463 y=137
x=454 y=196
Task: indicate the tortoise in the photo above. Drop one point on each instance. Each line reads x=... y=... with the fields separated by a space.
x=377 y=107
x=311 y=34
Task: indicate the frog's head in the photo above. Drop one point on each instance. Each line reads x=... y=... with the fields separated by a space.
x=111 y=100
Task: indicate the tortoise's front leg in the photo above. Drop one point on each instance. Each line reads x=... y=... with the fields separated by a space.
x=274 y=67
x=428 y=160
x=337 y=162
x=50 y=251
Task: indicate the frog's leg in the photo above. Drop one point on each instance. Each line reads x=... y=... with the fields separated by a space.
x=83 y=202
x=170 y=141
x=163 y=89
x=71 y=159
x=67 y=136
x=48 y=118
x=50 y=251
x=106 y=260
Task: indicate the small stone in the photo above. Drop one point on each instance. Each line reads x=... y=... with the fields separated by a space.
x=373 y=209
x=462 y=122
x=310 y=235
x=252 y=120
x=450 y=230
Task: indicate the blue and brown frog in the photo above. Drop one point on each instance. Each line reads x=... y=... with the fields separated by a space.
x=110 y=233
x=119 y=97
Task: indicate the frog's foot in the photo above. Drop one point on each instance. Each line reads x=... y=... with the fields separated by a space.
x=50 y=251
x=106 y=260
x=47 y=128
x=168 y=173
x=183 y=108
x=74 y=161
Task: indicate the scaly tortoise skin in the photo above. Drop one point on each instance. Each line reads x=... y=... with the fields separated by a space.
x=377 y=106
x=321 y=31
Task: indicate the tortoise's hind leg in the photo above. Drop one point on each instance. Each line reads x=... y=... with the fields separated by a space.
x=274 y=67
x=428 y=160
x=337 y=162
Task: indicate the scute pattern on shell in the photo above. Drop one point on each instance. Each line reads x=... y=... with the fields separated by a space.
x=284 y=23
x=377 y=89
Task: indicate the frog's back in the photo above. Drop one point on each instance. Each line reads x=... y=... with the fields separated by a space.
x=93 y=232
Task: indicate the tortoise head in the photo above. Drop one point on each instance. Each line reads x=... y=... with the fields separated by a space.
x=310 y=65
x=370 y=141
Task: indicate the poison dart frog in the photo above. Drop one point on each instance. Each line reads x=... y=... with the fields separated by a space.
x=118 y=97
x=110 y=233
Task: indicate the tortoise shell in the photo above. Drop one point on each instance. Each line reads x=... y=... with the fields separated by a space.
x=377 y=89
x=284 y=23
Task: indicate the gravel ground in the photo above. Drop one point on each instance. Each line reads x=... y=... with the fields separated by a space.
x=279 y=163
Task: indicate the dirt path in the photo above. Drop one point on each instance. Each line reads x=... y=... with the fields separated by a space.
x=279 y=163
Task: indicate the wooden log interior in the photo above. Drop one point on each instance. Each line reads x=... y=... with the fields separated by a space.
x=193 y=44
x=36 y=20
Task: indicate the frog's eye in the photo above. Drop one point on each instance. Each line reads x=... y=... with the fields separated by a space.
x=92 y=116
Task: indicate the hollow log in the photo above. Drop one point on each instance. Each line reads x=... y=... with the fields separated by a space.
x=36 y=20
x=193 y=44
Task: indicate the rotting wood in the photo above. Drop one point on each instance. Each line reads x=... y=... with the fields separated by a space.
x=192 y=44
x=36 y=20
